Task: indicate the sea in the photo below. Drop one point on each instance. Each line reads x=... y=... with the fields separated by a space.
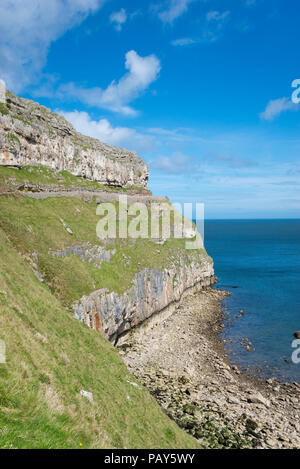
x=258 y=262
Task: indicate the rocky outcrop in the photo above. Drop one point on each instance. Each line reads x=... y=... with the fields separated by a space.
x=152 y=291
x=95 y=255
x=31 y=135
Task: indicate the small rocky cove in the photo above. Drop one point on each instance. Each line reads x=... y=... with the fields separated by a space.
x=181 y=360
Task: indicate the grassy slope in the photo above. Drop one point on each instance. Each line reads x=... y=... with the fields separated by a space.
x=35 y=226
x=40 y=404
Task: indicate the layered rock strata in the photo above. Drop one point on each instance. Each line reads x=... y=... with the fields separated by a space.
x=152 y=292
x=31 y=135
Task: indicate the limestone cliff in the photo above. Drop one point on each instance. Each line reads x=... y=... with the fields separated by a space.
x=31 y=135
x=111 y=285
x=153 y=291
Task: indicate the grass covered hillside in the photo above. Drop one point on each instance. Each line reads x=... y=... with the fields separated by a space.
x=38 y=229
x=50 y=356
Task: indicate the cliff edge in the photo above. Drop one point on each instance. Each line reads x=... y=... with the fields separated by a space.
x=64 y=385
x=50 y=180
x=31 y=135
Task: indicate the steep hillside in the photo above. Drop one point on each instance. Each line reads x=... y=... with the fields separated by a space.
x=63 y=384
x=111 y=285
x=51 y=357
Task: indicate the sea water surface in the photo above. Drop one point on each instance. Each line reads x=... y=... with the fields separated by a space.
x=262 y=259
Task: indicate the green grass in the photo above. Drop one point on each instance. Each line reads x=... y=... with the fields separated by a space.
x=40 y=384
x=35 y=226
x=20 y=118
x=12 y=138
x=3 y=109
x=51 y=356
x=41 y=176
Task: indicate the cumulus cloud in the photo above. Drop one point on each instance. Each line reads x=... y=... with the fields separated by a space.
x=105 y=132
x=142 y=71
x=118 y=18
x=174 y=9
x=277 y=107
x=27 y=29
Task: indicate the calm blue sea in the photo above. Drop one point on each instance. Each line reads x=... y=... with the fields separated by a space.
x=262 y=259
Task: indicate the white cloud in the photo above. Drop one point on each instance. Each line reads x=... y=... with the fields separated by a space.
x=174 y=9
x=118 y=18
x=228 y=160
x=212 y=30
x=178 y=163
x=277 y=107
x=27 y=28
x=105 y=132
x=217 y=16
x=185 y=41
x=215 y=22
x=142 y=71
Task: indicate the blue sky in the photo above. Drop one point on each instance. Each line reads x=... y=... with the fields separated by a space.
x=201 y=89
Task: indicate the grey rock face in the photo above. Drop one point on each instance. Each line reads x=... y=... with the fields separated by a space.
x=31 y=135
x=96 y=255
x=152 y=291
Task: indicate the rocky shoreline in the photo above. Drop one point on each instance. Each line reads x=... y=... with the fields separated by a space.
x=182 y=361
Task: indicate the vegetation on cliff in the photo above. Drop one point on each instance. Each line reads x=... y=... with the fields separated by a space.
x=36 y=178
x=50 y=358
x=37 y=228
